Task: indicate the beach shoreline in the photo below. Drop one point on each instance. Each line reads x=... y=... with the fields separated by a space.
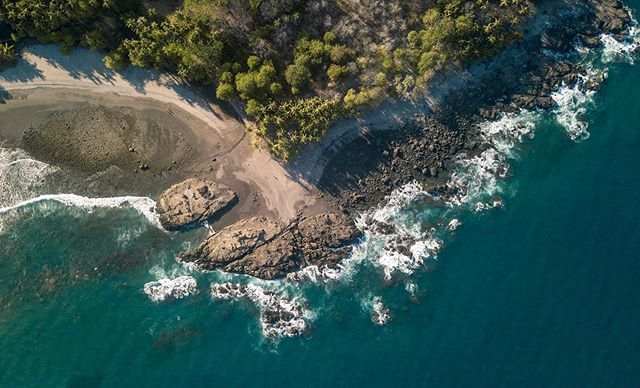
x=148 y=131
x=213 y=144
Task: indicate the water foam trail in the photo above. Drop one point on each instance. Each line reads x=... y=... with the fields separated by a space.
x=573 y=103
x=625 y=51
x=144 y=205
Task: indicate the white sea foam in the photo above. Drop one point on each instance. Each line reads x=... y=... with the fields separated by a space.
x=394 y=242
x=411 y=287
x=509 y=131
x=144 y=205
x=572 y=104
x=380 y=314
x=615 y=50
x=477 y=178
x=170 y=289
x=574 y=101
x=316 y=274
x=280 y=316
x=21 y=177
x=454 y=224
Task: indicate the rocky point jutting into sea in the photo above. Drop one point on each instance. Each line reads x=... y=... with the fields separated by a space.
x=363 y=172
x=260 y=230
x=525 y=76
x=483 y=233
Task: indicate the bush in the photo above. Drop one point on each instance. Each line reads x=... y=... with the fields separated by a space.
x=298 y=76
x=335 y=72
x=225 y=91
x=8 y=55
x=115 y=60
x=246 y=85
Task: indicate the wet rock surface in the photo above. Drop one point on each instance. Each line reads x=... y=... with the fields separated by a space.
x=194 y=201
x=377 y=162
x=264 y=249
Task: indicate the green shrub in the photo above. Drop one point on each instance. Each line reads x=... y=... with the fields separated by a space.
x=225 y=91
x=297 y=76
x=8 y=55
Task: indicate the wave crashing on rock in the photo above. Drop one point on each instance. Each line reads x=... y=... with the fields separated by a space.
x=279 y=316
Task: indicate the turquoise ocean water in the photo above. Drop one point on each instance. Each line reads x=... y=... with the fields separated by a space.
x=539 y=291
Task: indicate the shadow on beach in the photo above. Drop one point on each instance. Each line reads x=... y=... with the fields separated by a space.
x=4 y=95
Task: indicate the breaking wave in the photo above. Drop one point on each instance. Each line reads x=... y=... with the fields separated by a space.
x=144 y=205
x=573 y=103
x=625 y=51
x=280 y=316
x=25 y=182
x=171 y=289
x=21 y=177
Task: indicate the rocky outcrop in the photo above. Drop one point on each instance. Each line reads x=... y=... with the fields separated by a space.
x=264 y=249
x=193 y=201
x=362 y=172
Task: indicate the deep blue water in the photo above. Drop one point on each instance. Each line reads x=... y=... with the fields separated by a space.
x=541 y=292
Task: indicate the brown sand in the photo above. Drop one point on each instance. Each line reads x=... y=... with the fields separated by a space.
x=128 y=144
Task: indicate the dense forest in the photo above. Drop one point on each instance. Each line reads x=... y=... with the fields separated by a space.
x=294 y=65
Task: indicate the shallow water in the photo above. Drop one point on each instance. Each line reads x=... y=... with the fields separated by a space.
x=540 y=290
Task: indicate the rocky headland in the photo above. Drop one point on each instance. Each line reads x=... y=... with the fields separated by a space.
x=361 y=173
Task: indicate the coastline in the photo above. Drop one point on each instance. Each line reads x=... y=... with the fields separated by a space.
x=214 y=143
x=354 y=169
x=406 y=142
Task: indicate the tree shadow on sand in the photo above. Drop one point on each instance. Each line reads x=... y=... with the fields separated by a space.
x=4 y=95
x=82 y=63
x=23 y=71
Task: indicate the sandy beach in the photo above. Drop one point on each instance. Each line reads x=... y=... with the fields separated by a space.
x=136 y=132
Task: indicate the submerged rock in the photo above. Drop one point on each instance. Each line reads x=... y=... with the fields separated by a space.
x=194 y=201
x=263 y=249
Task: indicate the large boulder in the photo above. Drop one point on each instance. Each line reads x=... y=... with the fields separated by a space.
x=194 y=201
x=263 y=249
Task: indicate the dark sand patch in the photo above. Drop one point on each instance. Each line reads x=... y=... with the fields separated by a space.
x=90 y=136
